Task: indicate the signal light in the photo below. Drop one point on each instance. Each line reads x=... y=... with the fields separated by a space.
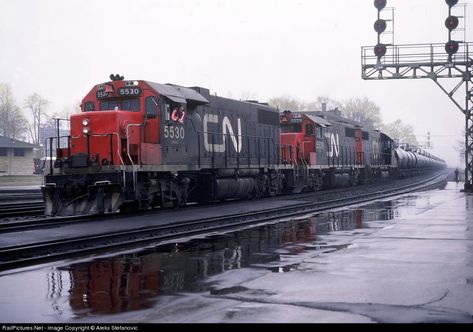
x=380 y=4
x=451 y=23
x=380 y=50
x=451 y=47
x=380 y=26
x=451 y=3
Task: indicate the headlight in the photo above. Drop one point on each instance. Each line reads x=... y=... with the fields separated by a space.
x=85 y=130
x=85 y=122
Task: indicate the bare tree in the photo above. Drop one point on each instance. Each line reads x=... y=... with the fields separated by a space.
x=63 y=116
x=68 y=110
x=403 y=133
x=286 y=102
x=320 y=100
x=363 y=111
x=37 y=106
x=12 y=121
x=248 y=95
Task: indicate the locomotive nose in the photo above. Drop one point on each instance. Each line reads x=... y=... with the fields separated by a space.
x=103 y=122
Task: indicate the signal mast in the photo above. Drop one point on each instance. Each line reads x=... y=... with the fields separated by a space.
x=436 y=61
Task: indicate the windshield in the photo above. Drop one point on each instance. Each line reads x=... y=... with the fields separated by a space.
x=132 y=105
x=292 y=128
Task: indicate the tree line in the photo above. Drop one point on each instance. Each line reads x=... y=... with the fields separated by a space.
x=362 y=110
x=26 y=121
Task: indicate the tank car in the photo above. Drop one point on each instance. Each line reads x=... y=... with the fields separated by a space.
x=412 y=162
x=139 y=144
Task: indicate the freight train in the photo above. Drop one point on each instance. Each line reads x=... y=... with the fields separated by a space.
x=139 y=144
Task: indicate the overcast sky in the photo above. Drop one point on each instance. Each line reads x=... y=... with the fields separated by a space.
x=262 y=48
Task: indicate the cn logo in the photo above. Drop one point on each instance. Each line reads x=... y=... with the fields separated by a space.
x=226 y=128
x=334 y=146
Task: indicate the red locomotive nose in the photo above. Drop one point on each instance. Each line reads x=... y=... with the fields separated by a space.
x=101 y=133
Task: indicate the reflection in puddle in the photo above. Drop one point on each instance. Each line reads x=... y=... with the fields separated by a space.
x=136 y=280
x=148 y=278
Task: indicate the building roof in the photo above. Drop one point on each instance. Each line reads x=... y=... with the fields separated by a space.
x=6 y=142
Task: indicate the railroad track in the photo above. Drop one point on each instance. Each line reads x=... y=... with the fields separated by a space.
x=21 y=209
x=16 y=202
x=12 y=194
x=18 y=225
x=32 y=253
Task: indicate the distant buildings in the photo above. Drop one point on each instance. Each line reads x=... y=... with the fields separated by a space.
x=16 y=157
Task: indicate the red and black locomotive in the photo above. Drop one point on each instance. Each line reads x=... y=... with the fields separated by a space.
x=140 y=144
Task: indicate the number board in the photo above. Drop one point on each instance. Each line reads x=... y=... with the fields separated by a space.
x=296 y=120
x=129 y=91
x=101 y=94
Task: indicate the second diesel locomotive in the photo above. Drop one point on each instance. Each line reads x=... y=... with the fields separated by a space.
x=139 y=144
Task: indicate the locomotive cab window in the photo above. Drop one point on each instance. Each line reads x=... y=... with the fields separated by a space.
x=309 y=130
x=89 y=106
x=167 y=111
x=295 y=128
x=109 y=105
x=174 y=111
x=151 y=106
x=132 y=105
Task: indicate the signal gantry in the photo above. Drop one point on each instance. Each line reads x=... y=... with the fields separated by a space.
x=436 y=61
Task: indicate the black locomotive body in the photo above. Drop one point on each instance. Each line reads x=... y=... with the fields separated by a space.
x=231 y=149
x=140 y=144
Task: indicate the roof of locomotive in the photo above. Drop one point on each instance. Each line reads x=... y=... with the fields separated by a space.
x=178 y=94
x=318 y=120
x=335 y=116
x=196 y=95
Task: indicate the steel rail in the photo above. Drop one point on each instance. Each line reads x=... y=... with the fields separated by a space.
x=21 y=209
x=29 y=254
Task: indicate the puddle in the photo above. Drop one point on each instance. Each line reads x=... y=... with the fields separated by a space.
x=133 y=281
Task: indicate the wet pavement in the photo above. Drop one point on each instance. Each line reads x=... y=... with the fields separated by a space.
x=408 y=259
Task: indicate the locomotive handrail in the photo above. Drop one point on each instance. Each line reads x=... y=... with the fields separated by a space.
x=51 y=149
x=128 y=151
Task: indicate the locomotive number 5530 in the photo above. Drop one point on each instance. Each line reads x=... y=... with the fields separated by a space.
x=174 y=132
